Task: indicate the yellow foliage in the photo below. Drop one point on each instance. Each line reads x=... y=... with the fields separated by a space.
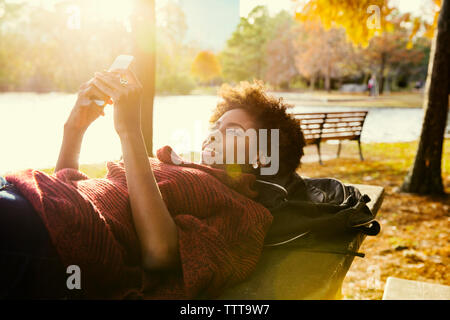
x=206 y=66
x=429 y=28
x=416 y=27
x=362 y=19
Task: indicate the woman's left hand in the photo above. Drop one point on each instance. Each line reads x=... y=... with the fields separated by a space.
x=126 y=97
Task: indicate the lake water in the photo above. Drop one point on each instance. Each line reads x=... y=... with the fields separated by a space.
x=32 y=127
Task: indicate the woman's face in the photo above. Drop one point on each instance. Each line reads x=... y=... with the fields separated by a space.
x=218 y=144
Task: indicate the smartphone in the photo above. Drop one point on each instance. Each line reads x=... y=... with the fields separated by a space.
x=121 y=62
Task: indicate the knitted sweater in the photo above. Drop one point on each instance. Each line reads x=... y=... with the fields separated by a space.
x=220 y=229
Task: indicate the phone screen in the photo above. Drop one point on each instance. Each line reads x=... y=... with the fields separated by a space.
x=121 y=62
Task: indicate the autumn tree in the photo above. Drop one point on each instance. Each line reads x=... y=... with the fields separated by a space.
x=280 y=51
x=361 y=19
x=321 y=52
x=206 y=66
x=390 y=50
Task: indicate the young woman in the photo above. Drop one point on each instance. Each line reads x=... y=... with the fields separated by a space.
x=153 y=227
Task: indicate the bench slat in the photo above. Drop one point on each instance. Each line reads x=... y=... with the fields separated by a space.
x=354 y=137
x=321 y=126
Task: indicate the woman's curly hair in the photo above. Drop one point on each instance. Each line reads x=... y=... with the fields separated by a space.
x=269 y=112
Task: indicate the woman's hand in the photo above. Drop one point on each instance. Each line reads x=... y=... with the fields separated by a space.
x=83 y=114
x=86 y=110
x=126 y=97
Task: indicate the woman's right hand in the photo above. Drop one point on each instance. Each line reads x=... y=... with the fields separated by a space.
x=86 y=110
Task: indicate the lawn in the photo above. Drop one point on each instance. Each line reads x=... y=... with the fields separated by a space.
x=360 y=100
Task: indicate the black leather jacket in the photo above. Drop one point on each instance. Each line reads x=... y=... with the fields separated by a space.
x=302 y=205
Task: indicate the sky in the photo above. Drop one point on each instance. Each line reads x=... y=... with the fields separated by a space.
x=210 y=22
x=274 y=6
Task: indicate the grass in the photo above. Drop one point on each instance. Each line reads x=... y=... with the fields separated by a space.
x=413 y=243
x=322 y=98
x=95 y=170
x=205 y=90
x=385 y=163
x=325 y=99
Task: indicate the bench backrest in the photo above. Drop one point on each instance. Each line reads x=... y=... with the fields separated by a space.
x=320 y=126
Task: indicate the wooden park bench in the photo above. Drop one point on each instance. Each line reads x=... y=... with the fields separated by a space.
x=322 y=126
x=293 y=273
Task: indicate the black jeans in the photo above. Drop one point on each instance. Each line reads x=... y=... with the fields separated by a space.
x=30 y=267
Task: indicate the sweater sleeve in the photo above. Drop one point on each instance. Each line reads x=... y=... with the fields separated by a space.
x=212 y=260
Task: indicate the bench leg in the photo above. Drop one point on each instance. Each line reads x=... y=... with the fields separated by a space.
x=318 y=151
x=360 y=152
x=339 y=149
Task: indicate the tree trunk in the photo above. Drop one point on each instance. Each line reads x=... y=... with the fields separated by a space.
x=258 y=69
x=387 y=86
x=328 y=80
x=381 y=78
x=312 y=82
x=425 y=175
x=144 y=25
x=366 y=78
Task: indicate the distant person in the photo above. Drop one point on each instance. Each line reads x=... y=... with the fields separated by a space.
x=418 y=84
x=372 y=85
